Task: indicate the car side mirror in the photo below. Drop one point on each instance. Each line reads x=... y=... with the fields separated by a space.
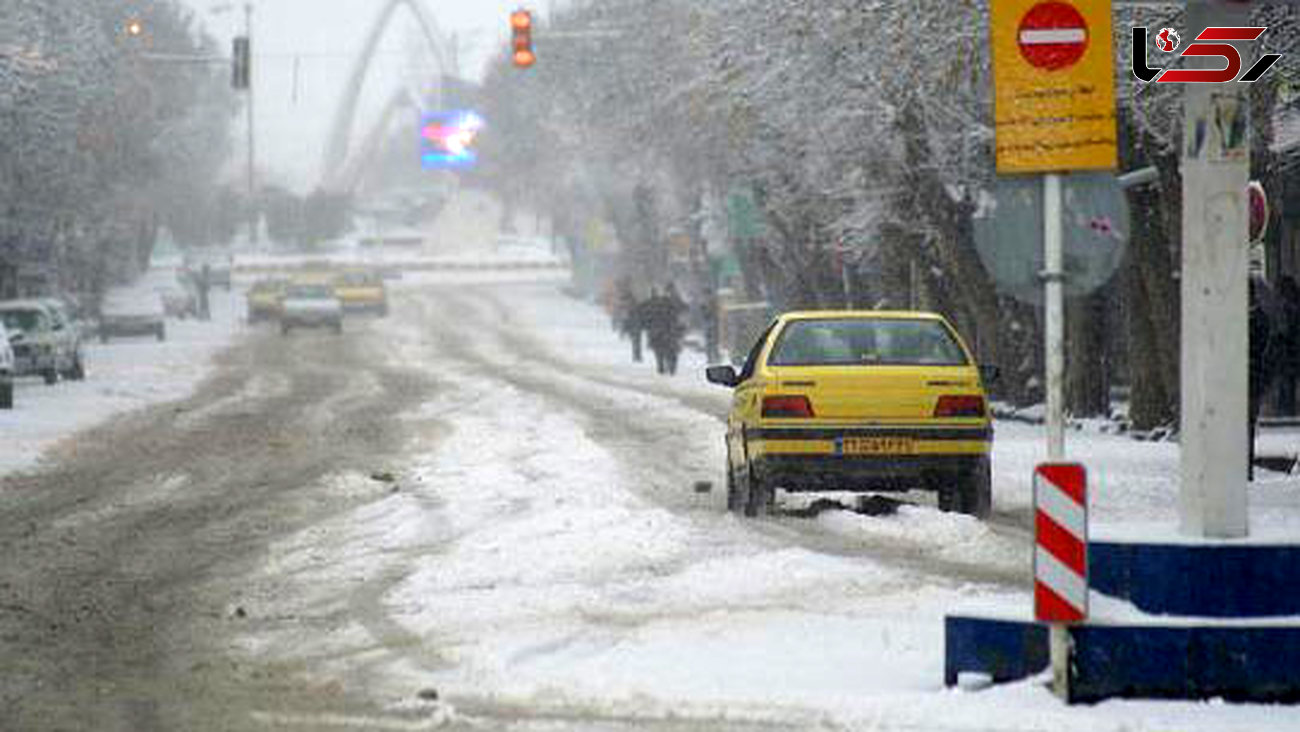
x=724 y=375
x=990 y=373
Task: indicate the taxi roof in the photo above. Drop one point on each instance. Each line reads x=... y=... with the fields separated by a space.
x=864 y=314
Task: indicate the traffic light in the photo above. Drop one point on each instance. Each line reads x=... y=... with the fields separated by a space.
x=240 y=69
x=521 y=29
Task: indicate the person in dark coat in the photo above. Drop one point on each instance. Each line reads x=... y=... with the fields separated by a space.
x=1266 y=326
x=663 y=322
x=629 y=312
x=1288 y=294
x=204 y=284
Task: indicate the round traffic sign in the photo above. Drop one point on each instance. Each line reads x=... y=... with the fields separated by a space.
x=1052 y=36
x=1009 y=233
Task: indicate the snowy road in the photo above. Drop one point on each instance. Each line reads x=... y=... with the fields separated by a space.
x=480 y=496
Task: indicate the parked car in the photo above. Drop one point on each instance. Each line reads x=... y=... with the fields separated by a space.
x=178 y=301
x=265 y=299
x=44 y=344
x=72 y=331
x=311 y=305
x=6 y=369
x=362 y=291
x=132 y=313
x=858 y=401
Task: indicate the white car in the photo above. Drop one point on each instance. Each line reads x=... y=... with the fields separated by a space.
x=311 y=306
x=127 y=312
x=6 y=370
x=44 y=344
x=72 y=332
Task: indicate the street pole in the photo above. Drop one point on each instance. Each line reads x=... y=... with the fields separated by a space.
x=1054 y=359
x=1054 y=315
x=252 y=156
x=1213 y=419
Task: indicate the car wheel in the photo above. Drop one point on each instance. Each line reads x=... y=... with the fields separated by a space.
x=162 y=333
x=6 y=394
x=51 y=376
x=947 y=488
x=78 y=369
x=976 y=490
x=758 y=494
x=735 y=502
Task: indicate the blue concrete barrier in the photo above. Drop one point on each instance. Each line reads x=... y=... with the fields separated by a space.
x=1242 y=664
x=1202 y=580
x=1005 y=650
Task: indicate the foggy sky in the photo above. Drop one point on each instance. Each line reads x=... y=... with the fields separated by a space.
x=320 y=37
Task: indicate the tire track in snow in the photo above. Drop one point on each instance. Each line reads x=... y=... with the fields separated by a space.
x=655 y=446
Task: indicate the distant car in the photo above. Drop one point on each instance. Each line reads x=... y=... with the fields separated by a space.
x=178 y=301
x=311 y=305
x=43 y=342
x=6 y=369
x=858 y=401
x=125 y=314
x=71 y=331
x=265 y=299
x=362 y=291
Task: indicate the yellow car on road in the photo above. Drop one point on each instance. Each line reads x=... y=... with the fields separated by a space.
x=265 y=299
x=858 y=401
x=362 y=291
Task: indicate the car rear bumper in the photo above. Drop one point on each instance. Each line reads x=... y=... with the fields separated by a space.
x=309 y=319
x=805 y=458
x=130 y=326
x=901 y=473
x=365 y=306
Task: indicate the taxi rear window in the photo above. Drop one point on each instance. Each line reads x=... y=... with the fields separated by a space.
x=863 y=341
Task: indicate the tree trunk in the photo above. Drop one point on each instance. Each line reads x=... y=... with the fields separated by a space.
x=1086 y=364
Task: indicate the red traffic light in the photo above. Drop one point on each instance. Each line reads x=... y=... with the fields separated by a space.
x=521 y=29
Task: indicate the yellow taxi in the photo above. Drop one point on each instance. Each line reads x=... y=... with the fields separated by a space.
x=858 y=401
x=265 y=298
x=362 y=291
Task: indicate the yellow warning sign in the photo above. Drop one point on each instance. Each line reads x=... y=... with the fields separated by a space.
x=1053 y=85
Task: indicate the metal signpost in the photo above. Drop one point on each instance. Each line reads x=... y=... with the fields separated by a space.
x=1054 y=109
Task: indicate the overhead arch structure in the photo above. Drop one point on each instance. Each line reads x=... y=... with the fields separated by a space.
x=335 y=166
x=348 y=176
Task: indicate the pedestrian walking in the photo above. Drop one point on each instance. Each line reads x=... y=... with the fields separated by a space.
x=630 y=316
x=204 y=284
x=663 y=322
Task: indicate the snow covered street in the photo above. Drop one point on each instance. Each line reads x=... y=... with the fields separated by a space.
x=567 y=573
x=480 y=498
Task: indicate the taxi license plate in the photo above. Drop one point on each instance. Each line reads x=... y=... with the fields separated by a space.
x=877 y=446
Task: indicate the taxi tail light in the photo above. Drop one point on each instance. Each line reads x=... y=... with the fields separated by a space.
x=966 y=405
x=787 y=406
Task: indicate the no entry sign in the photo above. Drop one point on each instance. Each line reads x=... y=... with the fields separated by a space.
x=1053 y=35
x=1054 y=87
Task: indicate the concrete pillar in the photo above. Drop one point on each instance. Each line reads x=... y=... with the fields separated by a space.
x=1215 y=262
